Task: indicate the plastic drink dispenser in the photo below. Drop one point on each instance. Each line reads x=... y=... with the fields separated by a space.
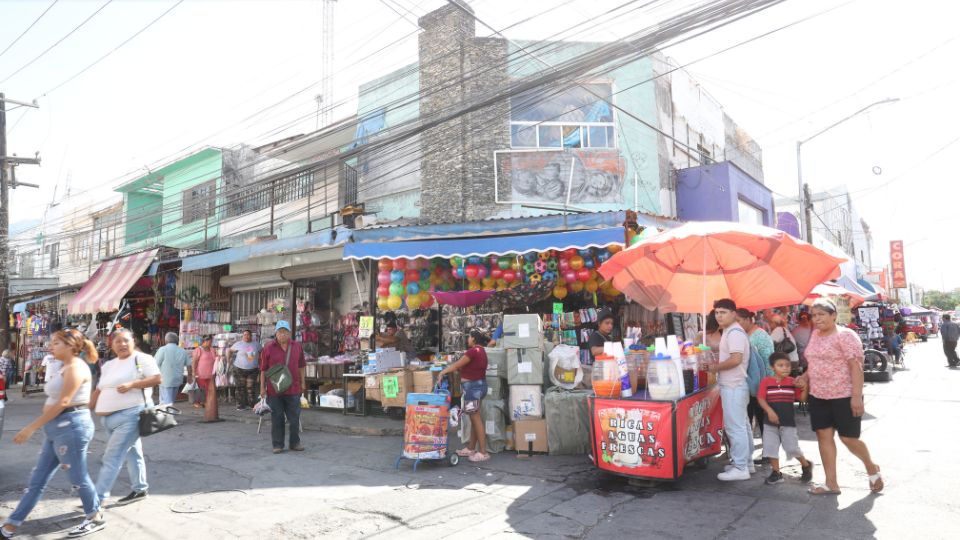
x=664 y=379
x=689 y=361
x=605 y=377
x=707 y=357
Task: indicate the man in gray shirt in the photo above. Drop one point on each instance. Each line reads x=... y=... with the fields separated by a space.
x=949 y=334
x=171 y=359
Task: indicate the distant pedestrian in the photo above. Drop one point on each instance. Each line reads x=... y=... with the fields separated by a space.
x=246 y=366
x=203 y=361
x=172 y=361
x=801 y=333
x=783 y=339
x=68 y=430
x=473 y=368
x=284 y=406
x=894 y=344
x=125 y=388
x=777 y=395
x=949 y=334
x=835 y=382
x=8 y=367
x=734 y=391
x=763 y=343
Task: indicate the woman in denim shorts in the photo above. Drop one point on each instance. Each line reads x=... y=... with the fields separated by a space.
x=473 y=372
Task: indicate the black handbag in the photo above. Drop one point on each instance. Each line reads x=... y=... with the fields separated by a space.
x=786 y=345
x=155 y=419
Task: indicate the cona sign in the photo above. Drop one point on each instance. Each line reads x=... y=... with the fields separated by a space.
x=898 y=270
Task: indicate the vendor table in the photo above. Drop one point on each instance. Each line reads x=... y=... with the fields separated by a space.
x=654 y=440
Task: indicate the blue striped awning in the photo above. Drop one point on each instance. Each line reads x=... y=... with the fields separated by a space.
x=484 y=246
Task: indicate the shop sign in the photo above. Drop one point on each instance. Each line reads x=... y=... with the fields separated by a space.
x=391 y=387
x=366 y=327
x=633 y=437
x=897 y=267
x=558 y=308
x=699 y=427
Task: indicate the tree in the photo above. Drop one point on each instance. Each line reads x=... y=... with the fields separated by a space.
x=947 y=301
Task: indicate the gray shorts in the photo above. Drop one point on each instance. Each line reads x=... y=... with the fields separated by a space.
x=774 y=437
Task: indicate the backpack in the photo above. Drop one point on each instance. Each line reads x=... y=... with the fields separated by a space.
x=756 y=368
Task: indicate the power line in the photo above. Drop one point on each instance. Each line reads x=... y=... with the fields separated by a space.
x=59 y=41
x=35 y=21
x=128 y=40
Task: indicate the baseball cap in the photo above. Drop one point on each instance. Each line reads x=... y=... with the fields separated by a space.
x=283 y=325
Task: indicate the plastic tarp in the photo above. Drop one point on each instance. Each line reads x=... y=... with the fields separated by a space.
x=568 y=421
x=494 y=418
x=485 y=246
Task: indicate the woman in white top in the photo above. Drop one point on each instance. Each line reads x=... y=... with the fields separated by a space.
x=68 y=429
x=779 y=332
x=123 y=391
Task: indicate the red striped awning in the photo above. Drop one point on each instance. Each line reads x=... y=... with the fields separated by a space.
x=108 y=285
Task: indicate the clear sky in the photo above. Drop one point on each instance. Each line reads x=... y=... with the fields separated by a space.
x=204 y=73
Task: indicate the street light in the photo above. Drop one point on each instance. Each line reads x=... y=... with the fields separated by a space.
x=805 y=226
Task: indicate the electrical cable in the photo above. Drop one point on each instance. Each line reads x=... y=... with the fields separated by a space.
x=59 y=41
x=35 y=21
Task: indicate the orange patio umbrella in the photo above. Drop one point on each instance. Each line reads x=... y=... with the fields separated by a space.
x=680 y=270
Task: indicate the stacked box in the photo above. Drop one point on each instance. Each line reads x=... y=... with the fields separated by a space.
x=496 y=362
x=568 y=421
x=404 y=386
x=523 y=331
x=371 y=385
x=423 y=381
x=496 y=387
x=526 y=402
x=525 y=366
x=492 y=413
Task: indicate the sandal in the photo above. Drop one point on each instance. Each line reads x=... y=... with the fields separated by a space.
x=477 y=457
x=876 y=481
x=465 y=452
x=822 y=490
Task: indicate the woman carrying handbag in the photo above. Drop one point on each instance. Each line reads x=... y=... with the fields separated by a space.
x=124 y=391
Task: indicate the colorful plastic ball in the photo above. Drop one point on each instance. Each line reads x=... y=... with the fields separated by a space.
x=456 y=261
x=546 y=255
x=394 y=302
x=488 y=283
x=474 y=286
x=396 y=276
x=413 y=289
x=583 y=275
x=591 y=286
x=516 y=265
x=496 y=273
x=481 y=271
x=411 y=276
x=383 y=303
x=424 y=274
x=564 y=265
x=615 y=248
x=549 y=276
x=569 y=253
x=427 y=301
x=400 y=264
x=570 y=276
x=509 y=275
x=535 y=278
x=529 y=268
x=576 y=262
x=413 y=264
x=504 y=263
x=383 y=290
x=460 y=272
x=552 y=265
x=585 y=253
x=475 y=260
x=560 y=292
x=530 y=257
x=413 y=302
x=385 y=265
x=383 y=278
x=396 y=289
x=588 y=263
x=471 y=271
x=575 y=286
x=603 y=256
x=540 y=266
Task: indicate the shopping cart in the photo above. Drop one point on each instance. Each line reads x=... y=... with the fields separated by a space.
x=425 y=436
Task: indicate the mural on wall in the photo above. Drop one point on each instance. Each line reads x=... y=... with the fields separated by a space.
x=544 y=176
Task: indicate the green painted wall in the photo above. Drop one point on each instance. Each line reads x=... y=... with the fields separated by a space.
x=145 y=219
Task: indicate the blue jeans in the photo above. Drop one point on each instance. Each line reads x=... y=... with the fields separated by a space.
x=284 y=408
x=168 y=394
x=65 y=446
x=737 y=425
x=123 y=444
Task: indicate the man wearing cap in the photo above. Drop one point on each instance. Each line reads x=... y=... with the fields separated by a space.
x=603 y=333
x=285 y=407
x=172 y=361
x=398 y=339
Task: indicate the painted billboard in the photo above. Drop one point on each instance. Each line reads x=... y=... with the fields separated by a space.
x=545 y=176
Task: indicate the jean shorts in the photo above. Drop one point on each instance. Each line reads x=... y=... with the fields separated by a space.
x=473 y=392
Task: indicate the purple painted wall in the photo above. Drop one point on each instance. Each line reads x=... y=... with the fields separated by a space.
x=788 y=223
x=713 y=193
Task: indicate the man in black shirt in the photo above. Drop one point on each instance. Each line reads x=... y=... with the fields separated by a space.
x=949 y=334
x=602 y=334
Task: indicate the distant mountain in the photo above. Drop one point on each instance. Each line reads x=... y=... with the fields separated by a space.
x=20 y=226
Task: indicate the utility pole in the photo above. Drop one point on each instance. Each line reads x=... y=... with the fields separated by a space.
x=807 y=213
x=7 y=164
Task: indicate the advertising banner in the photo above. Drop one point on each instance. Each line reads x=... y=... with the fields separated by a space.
x=633 y=437
x=897 y=268
x=699 y=421
x=425 y=432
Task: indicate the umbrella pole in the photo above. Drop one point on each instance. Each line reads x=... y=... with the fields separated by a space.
x=703 y=311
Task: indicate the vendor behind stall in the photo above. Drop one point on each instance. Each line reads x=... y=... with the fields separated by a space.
x=397 y=338
x=603 y=333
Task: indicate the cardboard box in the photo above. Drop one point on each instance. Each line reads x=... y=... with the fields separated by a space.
x=496 y=387
x=373 y=394
x=525 y=366
x=526 y=401
x=404 y=385
x=524 y=331
x=371 y=381
x=423 y=381
x=496 y=362
x=529 y=431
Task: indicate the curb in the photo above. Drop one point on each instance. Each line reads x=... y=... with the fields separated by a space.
x=310 y=422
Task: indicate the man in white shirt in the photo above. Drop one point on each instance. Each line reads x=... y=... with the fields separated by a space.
x=734 y=392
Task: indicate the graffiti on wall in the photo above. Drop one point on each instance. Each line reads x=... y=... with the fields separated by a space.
x=544 y=176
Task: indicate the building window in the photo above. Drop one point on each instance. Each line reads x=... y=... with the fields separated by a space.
x=53 y=251
x=199 y=201
x=570 y=118
x=26 y=265
x=749 y=214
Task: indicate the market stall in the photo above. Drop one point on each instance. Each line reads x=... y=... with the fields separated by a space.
x=34 y=321
x=655 y=410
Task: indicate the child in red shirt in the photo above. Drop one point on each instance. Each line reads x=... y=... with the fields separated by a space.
x=776 y=396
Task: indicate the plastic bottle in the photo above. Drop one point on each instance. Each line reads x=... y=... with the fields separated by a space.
x=664 y=380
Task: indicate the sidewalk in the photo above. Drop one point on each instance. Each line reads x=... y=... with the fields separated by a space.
x=329 y=420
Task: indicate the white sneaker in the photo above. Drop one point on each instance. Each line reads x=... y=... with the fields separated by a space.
x=729 y=466
x=734 y=475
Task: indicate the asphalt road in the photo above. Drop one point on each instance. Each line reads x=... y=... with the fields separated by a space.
x=221 y=481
